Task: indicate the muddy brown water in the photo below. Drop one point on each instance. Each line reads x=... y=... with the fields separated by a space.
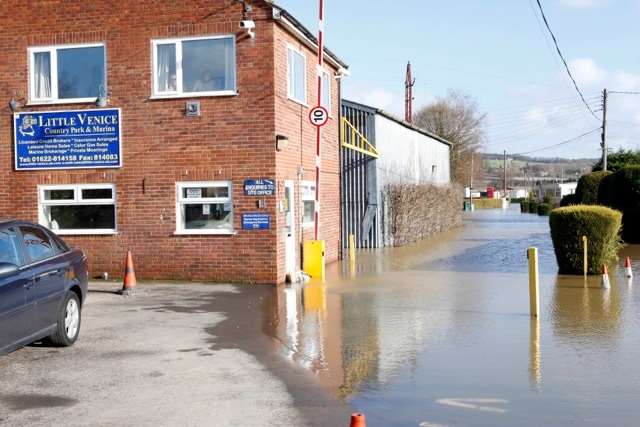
x=438 y=334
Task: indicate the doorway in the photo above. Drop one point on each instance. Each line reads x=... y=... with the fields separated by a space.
x=290 y=231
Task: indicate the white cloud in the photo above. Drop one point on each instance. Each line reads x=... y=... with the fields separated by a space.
x=536 y=116
x=587 y=72
x=583 y=4
x=377 y=97
x=626 y=81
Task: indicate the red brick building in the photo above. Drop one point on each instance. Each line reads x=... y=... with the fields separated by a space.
x=201 y=104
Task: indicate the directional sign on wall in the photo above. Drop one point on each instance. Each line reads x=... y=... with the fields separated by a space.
x=259 y=187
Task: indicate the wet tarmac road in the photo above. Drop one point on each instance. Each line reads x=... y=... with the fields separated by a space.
x=439 y=334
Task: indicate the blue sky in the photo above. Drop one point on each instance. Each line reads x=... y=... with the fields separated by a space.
x=497 y=52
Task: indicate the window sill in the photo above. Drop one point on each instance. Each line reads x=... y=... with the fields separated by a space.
x=195 y=95
x=62 y=101
x=204 y=233
x=297 y=101
x=85 y=232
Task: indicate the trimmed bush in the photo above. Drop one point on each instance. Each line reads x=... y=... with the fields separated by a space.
x=533 y=206
x=569 y=200
x=621 y=191
x=544 y=209
x=589 y=186
x=484 y=203
x=524 y=206
x=600 y=224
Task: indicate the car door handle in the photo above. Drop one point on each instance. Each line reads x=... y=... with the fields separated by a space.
x=47 y=274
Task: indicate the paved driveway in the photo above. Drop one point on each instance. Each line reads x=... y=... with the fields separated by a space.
x=172 y=355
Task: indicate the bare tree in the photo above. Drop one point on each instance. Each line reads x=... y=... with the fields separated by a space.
x=455 y=118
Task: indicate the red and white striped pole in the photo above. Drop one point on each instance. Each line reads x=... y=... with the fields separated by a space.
x=319 y=128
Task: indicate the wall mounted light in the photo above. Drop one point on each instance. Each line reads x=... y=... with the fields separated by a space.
x=281 y=142
x=102 y=100
x=15 y=103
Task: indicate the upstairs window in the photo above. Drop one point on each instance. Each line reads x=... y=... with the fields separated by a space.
x=325 y=101
x=296 y=75
x=78 y=209
x=194 y=66
x=67 y=73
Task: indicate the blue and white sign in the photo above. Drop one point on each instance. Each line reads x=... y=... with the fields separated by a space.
x=78 y=139
x=259 y=187
x=256 y=221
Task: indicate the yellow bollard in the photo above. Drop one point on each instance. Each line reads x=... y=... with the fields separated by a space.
x=534 y=282
x=585 y=246
x=352 y=256
x=352 y=248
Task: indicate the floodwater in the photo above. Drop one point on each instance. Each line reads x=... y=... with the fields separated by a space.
x=439 y=333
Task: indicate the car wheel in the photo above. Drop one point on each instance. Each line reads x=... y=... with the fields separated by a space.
x=69 y=319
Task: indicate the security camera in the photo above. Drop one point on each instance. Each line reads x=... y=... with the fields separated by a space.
x=247 y=25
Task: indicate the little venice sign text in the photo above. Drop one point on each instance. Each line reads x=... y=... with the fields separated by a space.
x=68 y=139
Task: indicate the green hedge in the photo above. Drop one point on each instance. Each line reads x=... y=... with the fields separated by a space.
x=533 y=206
x=600 y=224
x=589 y=186
x=621 y=191
x=569 y=200
x=544 y=209
x=524 y=206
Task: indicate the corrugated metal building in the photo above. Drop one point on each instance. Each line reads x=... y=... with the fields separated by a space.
x=379 y=149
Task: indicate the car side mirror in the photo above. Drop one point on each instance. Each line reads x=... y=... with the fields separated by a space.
x=7 y=269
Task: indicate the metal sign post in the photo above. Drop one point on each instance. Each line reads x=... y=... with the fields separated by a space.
x=317 y=109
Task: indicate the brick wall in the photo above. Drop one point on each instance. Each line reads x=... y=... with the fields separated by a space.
x=292 y=120
x=234 y=139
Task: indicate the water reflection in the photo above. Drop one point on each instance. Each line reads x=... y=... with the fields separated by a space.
x=535 y=360
x=416 y=324
x=584 y=311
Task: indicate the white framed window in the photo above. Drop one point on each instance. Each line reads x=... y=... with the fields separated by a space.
x=325 y=100
x=296 y=75
x=194 y=66
x=204 y=207
x=78 y=209
x=67 y=73
x=308 y=198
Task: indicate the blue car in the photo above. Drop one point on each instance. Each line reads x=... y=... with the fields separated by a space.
x=43 y=284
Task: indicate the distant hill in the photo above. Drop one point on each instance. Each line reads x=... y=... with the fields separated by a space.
x=521 y=169
x=492 y=156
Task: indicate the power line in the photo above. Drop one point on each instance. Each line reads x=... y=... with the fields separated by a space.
x=564 y=61
x=560 y=143
x=525 y=119
x=550 y=108
x=624 y=92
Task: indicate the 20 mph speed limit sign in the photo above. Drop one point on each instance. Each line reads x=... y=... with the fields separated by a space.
x=319 y=116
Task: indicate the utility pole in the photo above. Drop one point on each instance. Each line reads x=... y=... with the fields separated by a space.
x=505 y=174
x=604 y=129
x=408 y=96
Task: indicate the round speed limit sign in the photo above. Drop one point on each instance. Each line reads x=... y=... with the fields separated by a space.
x=319 y=116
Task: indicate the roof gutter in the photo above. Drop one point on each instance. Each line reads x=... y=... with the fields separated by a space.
x=290 y=23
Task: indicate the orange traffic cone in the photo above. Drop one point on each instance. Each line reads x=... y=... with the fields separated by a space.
x=605 y=277
x=129 y=284
x=627 y=268
x=358 y=420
